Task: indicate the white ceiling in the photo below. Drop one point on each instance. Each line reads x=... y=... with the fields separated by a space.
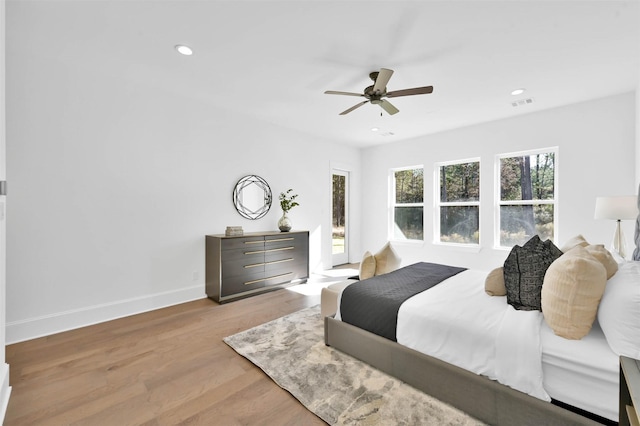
x=272 y=60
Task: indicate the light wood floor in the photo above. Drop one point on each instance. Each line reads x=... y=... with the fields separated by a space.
x=164 y=367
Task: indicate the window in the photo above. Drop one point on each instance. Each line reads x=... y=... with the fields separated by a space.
x=407 y=205
x=527 y=188
x=458 y=206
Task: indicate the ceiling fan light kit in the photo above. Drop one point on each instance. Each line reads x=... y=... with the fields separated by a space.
x=376 y=93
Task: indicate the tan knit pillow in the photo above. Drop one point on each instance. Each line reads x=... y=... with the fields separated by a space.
x=367 y=266
x=604 y=256
x=387 y=260
x=572 y=289
x=494 y=283
x=578 y=240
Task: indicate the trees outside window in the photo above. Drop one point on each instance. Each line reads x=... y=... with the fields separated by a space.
x=458 y=206
x=527 y=200
x=407 y=206
x=338 y=212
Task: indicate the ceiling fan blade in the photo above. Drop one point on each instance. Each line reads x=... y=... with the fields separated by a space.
x=334 y=92
x=386 y=105
x=353 y=107
x=381 y=81
x=408 y=92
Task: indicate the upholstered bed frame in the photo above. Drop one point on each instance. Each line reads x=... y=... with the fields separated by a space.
x=478 y=396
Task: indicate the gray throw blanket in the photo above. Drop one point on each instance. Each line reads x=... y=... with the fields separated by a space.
x=373 y=304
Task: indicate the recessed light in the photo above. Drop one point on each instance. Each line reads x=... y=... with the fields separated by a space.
x=374 y=129
x=517 y=92
x=184 y=50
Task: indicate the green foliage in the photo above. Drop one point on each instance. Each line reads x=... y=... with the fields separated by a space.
x=338 y=206
x=519 y=223
x=533 y=174
x=409 y=186
x=521 y=179
x=409 y=223
x=460 y=224
x=409 y=190
x=460 y=182
x=287 y=201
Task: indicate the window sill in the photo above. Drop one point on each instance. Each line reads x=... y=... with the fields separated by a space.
x=407 y=242
x=467 y=248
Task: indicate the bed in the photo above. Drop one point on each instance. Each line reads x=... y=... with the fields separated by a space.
x=454 y=342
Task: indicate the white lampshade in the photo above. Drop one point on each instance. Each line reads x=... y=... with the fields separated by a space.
x=617 y=208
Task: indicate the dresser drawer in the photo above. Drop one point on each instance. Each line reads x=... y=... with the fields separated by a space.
x=277 y=279
x=240 y=268
x=252 y=243
x=240 y=284
x=279 y=264
x=297 y=267
x=245 y=254
x=284 y=241
x=275 y=254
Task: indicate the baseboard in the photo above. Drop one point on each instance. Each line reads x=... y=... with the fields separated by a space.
x=19 y=331
x=5 y=390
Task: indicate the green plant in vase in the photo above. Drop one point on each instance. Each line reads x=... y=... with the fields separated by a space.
x=287 y=202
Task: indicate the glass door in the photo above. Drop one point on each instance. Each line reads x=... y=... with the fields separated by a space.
x=339 y=220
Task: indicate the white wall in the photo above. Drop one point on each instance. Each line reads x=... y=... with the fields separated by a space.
x=596 y=157
x=115 y=184
x=638 y=129
x=638 y=135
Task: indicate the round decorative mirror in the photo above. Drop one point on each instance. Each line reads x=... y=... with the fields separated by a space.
x=252 y=197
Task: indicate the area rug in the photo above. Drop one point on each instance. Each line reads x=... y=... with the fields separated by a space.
x=336 y=387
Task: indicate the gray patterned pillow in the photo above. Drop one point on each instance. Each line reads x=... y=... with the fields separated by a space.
x=524 y=272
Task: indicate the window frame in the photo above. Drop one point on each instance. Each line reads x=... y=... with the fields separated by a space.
x=498 y=191
x=392 y=205
x=438 y=202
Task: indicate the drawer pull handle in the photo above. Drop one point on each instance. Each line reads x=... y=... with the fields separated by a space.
x=279 y=240
x=253 y=265
x=269 y=251
x=266 y=279
x=279 y=261
x=254 y=242
x=279 y=249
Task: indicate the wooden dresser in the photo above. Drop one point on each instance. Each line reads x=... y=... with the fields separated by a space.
x=240 y=266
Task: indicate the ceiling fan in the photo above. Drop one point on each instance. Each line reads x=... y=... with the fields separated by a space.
x=378 y=91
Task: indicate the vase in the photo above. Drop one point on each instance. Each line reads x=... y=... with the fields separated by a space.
x=284 y=223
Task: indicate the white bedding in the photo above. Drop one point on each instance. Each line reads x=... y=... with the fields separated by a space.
x=457 y=322
x=584 y=373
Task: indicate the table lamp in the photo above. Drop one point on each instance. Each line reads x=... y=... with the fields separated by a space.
x=617 y=208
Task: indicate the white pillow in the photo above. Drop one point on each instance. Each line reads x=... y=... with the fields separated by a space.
x=619 y=311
